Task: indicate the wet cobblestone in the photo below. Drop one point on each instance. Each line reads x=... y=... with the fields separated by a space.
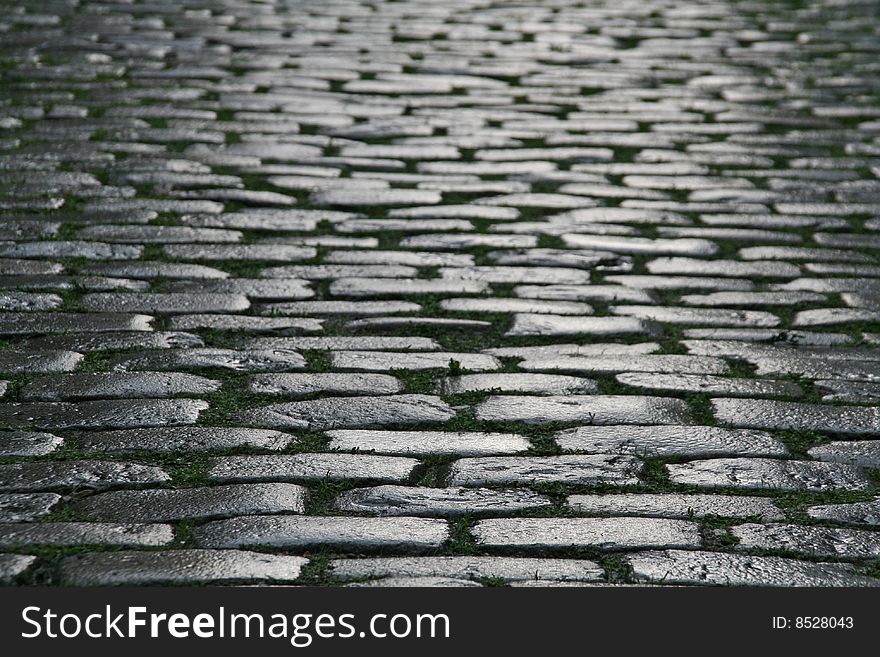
x=553 y=293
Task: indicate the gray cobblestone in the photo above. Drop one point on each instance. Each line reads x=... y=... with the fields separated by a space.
x=250 y=360
x=39 y=361
x=398 y=533
x=13 y=566
x=665 y=441
x=856 y=513
x=263 y=263
x=179 y=567
x=541 y=384
x=61 y=534
x=193 y=503
x=708 y=568
x=310 y=466
x=713 y=385
x=674 y=505
x=26 y=507
x=352 y=412
x=28 y=443
x=763 y=414
x=96 y=385
x=593 y=409
x=593 y=469
x=532 y=534
x=548 y=324
x=115 y=414
x=384 y=361
x=171 y=439
x=864 y=453
x=510 y=569
x=300 y=385
x=815 y=541
x=758 y=474
x=428 y=442
x=412 y=501
x=52 y=475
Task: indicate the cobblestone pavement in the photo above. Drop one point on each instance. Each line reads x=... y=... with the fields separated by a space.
x=440 y=293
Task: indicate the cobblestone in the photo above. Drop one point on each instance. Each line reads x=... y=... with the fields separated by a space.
x=40 y=361
x=98 y=385
x=763 y=414
x=28 y=443
x=712 y=385
x=406 y=501
x=666 y=441
x=300 y=385
x=296 y=467
x=547 y=324
x=178 y=567
x=186 y=439
x=62 y=534
x=116 y=414
x=857 y=513
x=758 y=474
x=250 y=360
x=594 y=409
x=714 y=569
x=865 y=453
x=532 y=534
x=164 y=505
x=528 y=280
x=13 y=566
x=540 y=384
x=510 y=569
x=674 y=505
x=378 y=361
x=398 y=534
x=333 y=412
x=26 y=507
x=59 y=475
x=602 y=468
x=815 y=541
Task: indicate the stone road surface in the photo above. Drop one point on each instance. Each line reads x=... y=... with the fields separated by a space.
x=455 y=293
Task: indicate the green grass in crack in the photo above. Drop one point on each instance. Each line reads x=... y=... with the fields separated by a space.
x=318 y=361
x=700 y=407
x=655 y=476
x=799 y=441
x=233 y=398
x=716 y=532
x=317 y=571
x=190 y=471
x=617 y=568
x=433 y=471
x=461 y=541
x=795 y=504
x=323 y=494
x=421 y=382
x=103 y=361
x=183 y=533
